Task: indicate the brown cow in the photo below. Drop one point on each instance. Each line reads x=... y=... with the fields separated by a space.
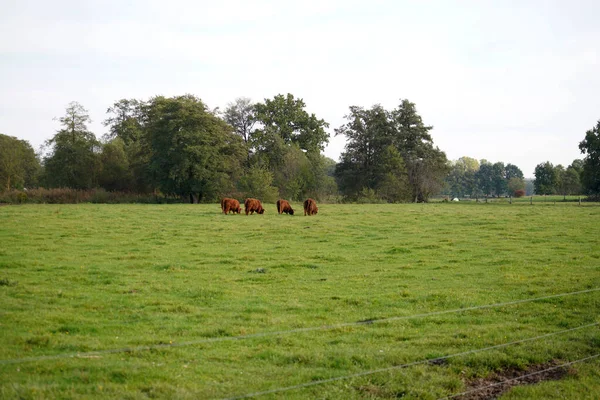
x=228 y=205
x=253 y=205
x=284 y=207
x=310 y=207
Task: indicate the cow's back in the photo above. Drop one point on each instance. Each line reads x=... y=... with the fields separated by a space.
x=310 y=207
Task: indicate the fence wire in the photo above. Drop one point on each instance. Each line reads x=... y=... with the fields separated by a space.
x=396 y=367
x=92 y=354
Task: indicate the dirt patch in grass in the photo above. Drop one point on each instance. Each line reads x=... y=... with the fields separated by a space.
x=496 y=384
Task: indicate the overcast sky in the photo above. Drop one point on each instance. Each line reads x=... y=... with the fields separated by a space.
x=511 y=81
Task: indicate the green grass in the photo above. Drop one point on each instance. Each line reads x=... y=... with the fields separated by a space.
x=83 y=278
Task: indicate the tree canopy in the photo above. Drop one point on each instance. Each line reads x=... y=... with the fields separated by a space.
x=73 y=157
x=19 y=166
x=390 y=153
x=193 y=152
x=590 y=146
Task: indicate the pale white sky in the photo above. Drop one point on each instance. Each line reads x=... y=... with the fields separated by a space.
x=511 y=81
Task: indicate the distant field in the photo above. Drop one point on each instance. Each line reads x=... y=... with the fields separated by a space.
x=83 y=286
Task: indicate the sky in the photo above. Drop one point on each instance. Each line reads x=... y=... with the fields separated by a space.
x=510 y=81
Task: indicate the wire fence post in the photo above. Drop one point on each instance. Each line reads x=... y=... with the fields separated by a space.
x=531 y=200
x=579 y=200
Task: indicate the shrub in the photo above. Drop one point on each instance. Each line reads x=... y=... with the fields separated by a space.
x=369 y=196
x=519 y=193
x=74 y=196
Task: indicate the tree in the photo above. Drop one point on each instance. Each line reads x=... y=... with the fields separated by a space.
x=514 y=179
x=567 y=180
x=512 y=171
x=286 y=117
x=19 y=165
x=240 y=115
x=288 y=143
x=370 y=133
x=115 y=173
x=73 y=158
x=461 y=178
x=257 y=183
x=590 y=146
x=426 y=165
x=127 y=120
x=193 y=152
x=485 y=178
x=545 y=178
x=499 y=180
x=572 y=181
x=515 y=184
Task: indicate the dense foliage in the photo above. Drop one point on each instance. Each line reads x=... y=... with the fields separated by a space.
x=389 y=154
x=19 y=166
x=590 y=146
x=472 y=178
x=177 y=147
x=550 y=179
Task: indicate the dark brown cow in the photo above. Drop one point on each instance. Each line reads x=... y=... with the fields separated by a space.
x=310 y=207
x=252 y=205
x=284 y=207
x=228 y=205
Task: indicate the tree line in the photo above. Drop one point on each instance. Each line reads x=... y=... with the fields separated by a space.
x=179 y=147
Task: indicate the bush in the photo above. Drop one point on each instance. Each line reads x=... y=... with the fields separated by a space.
x=74 y=196
x=257 y=183
x=519 y=193
x=369 y=196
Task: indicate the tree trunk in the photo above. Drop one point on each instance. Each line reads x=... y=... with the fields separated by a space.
x=194 y=198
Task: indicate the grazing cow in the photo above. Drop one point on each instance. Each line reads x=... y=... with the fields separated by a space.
x=284 y=207
x=252 y=205
x=310 y=207
x=228 y=205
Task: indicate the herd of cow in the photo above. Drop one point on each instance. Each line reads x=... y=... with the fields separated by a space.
x=254 y=205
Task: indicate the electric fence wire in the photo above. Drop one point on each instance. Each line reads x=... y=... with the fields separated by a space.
x=93 y=354
x=396 y=367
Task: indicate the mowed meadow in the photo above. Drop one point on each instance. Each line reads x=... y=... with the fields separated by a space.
x=181 y=301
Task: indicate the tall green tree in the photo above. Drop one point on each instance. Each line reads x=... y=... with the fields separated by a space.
x=590 y=146
x=461 y=179
x=426 y=165
x=512 y=171
x=514 y=178
x=370 y=132
x=193 y=152
x=73 y=159
x=126 y=121
x=546 y=178
x=287 y=117
x=567 y=180
x=485 y=178
x=500 y=183
x=19 y=166
x=115 y=173
x=240 y=115
x=288 y=141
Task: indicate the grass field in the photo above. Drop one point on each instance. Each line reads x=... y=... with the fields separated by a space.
x=82 y=287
